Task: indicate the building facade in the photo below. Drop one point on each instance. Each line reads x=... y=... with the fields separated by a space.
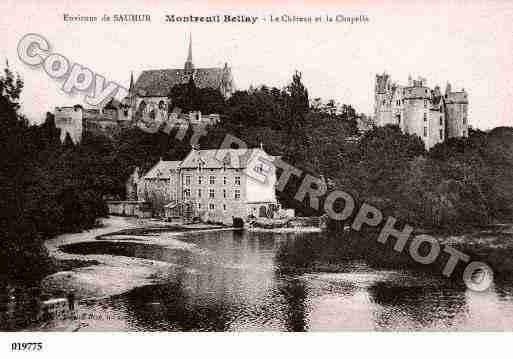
x=219 y=185
x=420 y=110
x=159 y=186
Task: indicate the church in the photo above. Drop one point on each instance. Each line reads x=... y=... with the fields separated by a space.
x=148 y=95
x=147 y=101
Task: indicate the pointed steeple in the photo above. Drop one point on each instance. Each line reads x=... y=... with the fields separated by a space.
x=189 y=55
x=189 y=67
x=131 y=87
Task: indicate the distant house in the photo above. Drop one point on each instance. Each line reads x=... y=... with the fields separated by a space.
x=159 y=185
x=216 y=185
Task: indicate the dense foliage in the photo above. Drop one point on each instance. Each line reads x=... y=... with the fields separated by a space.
x=47 y=187
x=50 y=188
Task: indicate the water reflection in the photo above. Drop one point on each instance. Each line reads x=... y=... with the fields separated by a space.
x=236 y=281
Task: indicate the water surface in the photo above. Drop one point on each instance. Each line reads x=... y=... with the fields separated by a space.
x=237 y=281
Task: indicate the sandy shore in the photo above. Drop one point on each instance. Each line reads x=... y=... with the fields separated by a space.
x=110 y=275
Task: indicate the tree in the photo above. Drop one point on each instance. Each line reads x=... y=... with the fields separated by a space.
x=384 y=154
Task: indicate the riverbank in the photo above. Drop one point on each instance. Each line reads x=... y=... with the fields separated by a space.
x=98 y=276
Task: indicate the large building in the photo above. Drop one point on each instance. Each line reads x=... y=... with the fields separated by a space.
x=147 y=101
x=148 y=96
x=219 y=185
x=418 y=109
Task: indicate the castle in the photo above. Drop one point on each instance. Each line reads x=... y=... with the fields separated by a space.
x=147 y=101
x=417 y=109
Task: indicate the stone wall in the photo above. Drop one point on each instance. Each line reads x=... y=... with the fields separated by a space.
x=70 y=120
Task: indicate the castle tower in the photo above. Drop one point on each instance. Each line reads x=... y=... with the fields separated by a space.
x=456 y=108
x=383 y=100
x=226 y=87
x=417 y=108
x=189 y=67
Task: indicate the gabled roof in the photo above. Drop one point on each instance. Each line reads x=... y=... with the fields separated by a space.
x=232 y=158
x=162 y=170
x=158 y=83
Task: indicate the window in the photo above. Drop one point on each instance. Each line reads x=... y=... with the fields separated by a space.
x=425 y=117
x=211 y=193
x=224 y=207
x=224 y=180
x=187 y=193
x=199 y=193
x=425 y=103
x=441 y=134
x=224 y=193
x=425 y=131
x=237 y=194
x=211 y=206
x=212 y=180
x=187 y=180
x=200 y=179
x=199 y=205
x=464 y=120
x=441 y=121
x=237 y=180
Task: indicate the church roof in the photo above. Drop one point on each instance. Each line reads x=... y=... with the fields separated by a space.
x=158 y=83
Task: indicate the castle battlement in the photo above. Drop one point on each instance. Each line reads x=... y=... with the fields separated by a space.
x=418 y=109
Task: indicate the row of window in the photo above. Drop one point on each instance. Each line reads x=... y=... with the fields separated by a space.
x=211 y=180
x=211 y=206
x=399 y=102
x=211 y=193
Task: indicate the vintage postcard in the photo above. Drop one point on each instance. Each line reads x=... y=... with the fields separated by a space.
x=224 y=166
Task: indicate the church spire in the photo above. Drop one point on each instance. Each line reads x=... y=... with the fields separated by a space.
x=188 y=64
x=189 y=56
x=131 y=81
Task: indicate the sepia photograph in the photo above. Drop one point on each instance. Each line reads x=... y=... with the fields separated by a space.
x=222 y=166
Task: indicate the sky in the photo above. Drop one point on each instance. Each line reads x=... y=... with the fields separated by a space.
x=468 y=43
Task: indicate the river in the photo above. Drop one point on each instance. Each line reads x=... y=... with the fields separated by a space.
x=240 y=281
